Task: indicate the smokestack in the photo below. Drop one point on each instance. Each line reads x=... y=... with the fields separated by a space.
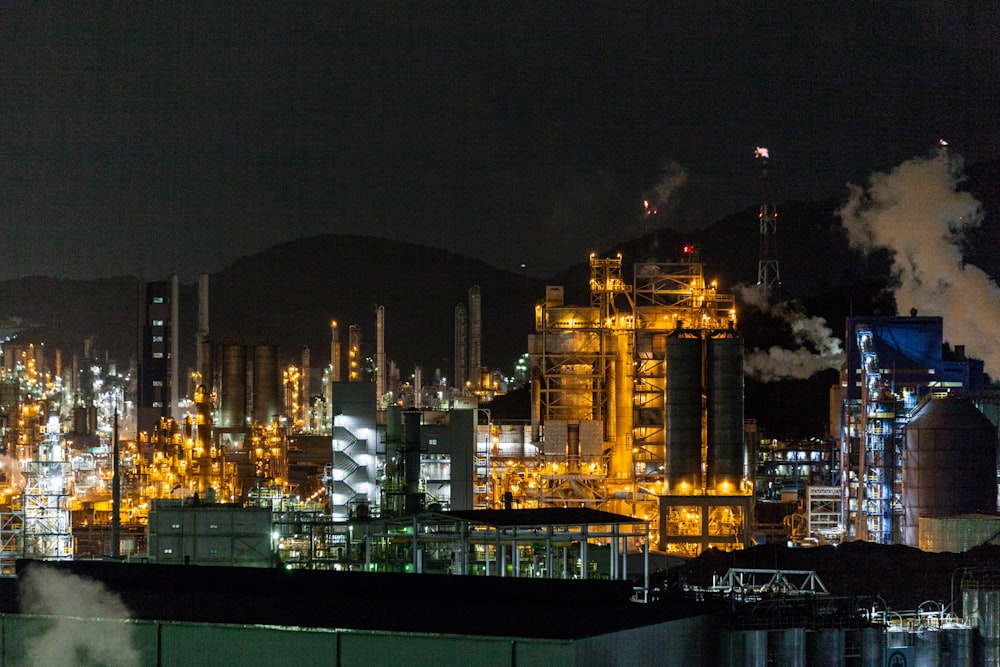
x=354 y=353
x=379 y=355
x=306 y=401
x=334 y=351
x=202 y=334
x=266 y=379
x=418 y=381
x=461 y=346
x=475 y=335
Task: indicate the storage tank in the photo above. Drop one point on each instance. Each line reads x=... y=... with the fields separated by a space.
x=207 y=368
x=788 y=646
x=266 y=406
x=233 y=399
x=683 y=413
x=726 y=449
x=949 y=463
x=868 y=644
x=825 y=648
x=743 y=647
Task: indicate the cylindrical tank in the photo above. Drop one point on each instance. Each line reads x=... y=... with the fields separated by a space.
x=727 y=453
x=266 y=406
x=989 y=615
x=207 y=369
x=956 y=647
x=927 y=647
x=394 y=424
x=683 y=413
x=949 y=463
x=825 y=648
x=743 y=647
x=788 y=646
x=869 y=644
x=203 y=416
x=414 y=499
x=233 y=399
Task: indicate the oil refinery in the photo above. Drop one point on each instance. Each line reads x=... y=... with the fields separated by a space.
x=634 y=446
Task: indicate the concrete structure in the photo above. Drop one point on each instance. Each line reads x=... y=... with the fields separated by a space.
x=224 y=616
x=188 y=532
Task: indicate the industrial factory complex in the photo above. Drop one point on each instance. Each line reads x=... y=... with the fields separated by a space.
x=345 y=487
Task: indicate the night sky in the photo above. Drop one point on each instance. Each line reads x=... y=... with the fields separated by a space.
x=144 y=138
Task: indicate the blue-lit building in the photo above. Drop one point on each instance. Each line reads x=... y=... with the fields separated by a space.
x=893 y=364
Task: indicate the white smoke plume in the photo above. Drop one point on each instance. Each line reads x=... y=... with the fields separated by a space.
x=916 y=211
x=672 y=178
x=817 y=348
x=66 y=597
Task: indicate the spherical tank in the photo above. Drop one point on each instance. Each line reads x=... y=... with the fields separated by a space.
x=683 y=413
x=266 y=406
x=949 y=463
x=233 y=397
x=726 y=448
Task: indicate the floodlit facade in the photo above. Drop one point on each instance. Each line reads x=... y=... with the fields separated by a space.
x=638 y=407
x=895 y=365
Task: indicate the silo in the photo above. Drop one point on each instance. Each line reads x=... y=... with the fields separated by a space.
x=825 y=647
x=726 y=449
x=949 y=463
x=233 y=399
x=788 y=646
x=683 y=413
x=266 y=406
x=743 y=647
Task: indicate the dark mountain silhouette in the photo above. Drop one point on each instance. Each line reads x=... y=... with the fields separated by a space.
x=287 y=295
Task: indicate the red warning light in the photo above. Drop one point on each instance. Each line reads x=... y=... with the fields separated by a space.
x=688 y=249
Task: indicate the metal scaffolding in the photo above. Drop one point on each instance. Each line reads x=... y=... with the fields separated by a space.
x=47 y=523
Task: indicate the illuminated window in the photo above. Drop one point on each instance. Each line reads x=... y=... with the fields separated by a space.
x=157 y=323
x=157 y=339
x=168 y=551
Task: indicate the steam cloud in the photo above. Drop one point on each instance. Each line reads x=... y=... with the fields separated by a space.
x=50 y=592
x=673 y=177
x=916 y=211
x=817 y=349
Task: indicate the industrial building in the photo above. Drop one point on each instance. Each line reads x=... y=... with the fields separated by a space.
x=913 y=441
x=157 y=383
x=638 y=405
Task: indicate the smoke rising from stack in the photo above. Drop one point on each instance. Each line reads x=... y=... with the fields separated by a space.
x=672 y=178
x=50 y=592
x=916 y=211
x=818 y=349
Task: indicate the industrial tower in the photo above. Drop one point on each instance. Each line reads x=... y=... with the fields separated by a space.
x=768 y=275
x=640 y=395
